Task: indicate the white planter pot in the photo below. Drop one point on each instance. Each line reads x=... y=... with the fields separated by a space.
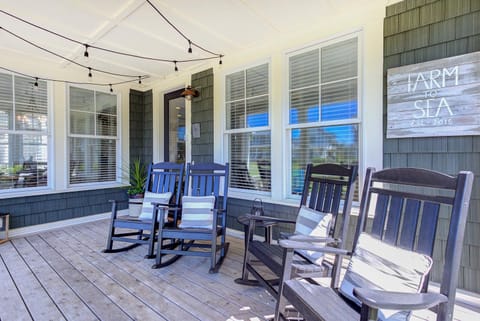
x=135 y=206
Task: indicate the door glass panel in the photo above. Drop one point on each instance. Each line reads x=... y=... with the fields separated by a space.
x=176 y=130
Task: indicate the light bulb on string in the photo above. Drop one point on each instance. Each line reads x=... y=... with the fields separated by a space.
x=36 y=82
x=85 y=54
x=139 y=80
x=111 y=89
x=89 y=72
x=189 y=46
x=220 y=62
x=175 y=62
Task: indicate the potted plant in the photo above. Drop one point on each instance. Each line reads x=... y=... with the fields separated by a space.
x=138 y=178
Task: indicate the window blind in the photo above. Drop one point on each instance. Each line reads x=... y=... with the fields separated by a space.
x=323 y=107
x=250 y=160
x=23 y=132
x=247 y=110
x=93 y=136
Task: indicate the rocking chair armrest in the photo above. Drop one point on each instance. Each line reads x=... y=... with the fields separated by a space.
x=268 y=219
x=156 y=204
x=379 y=299
x=313 y=239
x=296 y=245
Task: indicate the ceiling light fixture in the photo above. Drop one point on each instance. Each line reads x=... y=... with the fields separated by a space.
x=190 y=92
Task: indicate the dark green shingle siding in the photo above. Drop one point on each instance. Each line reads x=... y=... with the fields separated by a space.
x=453 y=29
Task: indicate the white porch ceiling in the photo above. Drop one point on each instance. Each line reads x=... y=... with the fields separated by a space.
x=222 y=26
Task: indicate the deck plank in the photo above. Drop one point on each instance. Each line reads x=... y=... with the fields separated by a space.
x=97 y=301
x=117 y=293
x=182 y=294
x=220 y=283
x=182 y=278
x=12 y=306
x=159 y=302
x=37 y=300
x=68 y=302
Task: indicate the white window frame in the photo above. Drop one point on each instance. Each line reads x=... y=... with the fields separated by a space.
x=119 y=176
x=233 y=191
x=13 y=192
x=354 y=121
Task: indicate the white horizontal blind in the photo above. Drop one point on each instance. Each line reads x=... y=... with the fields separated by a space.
x=23 y=132
x=323 y=107
x=247 y=125
x=92 y=136
x=250 y=160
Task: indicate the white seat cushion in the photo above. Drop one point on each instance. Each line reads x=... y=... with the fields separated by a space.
x=147 y=207
x=378 y=265
x=313 y=223
x=197 y=212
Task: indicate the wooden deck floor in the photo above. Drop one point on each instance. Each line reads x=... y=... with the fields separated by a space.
x=63 y=275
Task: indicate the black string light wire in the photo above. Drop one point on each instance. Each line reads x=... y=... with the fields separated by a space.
x=90 y=46
x=73 y=82
x=90 y=69
x=190 y=43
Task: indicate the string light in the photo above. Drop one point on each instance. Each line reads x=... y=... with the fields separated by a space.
x=189 y=46
x=191 y=43
x=111 y=89
x=69 y=81
x=66 y=58
x=175 y=62
x=181 y=33
x=89 y=72
x=85 y=54
x=139 y=80
x=220 y=62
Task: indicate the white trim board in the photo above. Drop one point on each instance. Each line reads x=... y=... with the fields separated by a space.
x=34 y=229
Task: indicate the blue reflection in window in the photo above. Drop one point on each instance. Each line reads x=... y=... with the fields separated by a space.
x=257 y=120
x=312 y=115
x=345 y=134
x=181 y=133
x=339 y=110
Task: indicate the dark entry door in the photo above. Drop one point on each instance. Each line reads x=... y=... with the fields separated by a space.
x=174 y=118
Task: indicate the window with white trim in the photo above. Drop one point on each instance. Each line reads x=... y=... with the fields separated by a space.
x=92 y=136
x=323 y=107
x=23 y=132
x=247 y=103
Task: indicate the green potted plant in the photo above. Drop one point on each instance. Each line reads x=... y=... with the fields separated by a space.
x=138 y=179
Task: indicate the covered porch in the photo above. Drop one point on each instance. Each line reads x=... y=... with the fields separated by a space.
x=52 y=269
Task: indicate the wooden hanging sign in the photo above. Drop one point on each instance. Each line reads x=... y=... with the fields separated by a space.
x=435 y=98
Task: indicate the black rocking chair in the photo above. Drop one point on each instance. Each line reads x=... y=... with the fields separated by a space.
x=327 y=189
x=164 y=185
x=388 y=272
x=202 y=228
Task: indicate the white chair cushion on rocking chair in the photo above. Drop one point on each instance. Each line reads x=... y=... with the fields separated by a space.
x=147 y=207
x=197 y=212
x=312 y=223
x=378 y=265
